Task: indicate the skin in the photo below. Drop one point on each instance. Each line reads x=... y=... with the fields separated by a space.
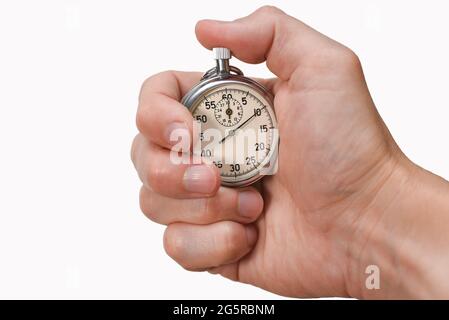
x=344 y=197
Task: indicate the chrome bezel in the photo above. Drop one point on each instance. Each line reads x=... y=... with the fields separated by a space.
x=209 y=84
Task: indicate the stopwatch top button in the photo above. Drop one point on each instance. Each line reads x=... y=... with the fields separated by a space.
x=222 y=53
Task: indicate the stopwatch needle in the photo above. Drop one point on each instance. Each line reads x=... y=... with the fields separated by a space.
x=232 y=132
x=229 y=110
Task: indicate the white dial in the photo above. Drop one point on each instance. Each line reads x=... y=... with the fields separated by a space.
x=237 y=130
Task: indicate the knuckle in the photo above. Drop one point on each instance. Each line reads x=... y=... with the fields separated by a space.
x=147 y=84
x=145 y=97
x=208 y=211
x=232 y=240
x=146 y=202
x=349 y=59
x=142 y=121
x=173 y=244
x=155 y=177
x=133 y=152
x=269 y=10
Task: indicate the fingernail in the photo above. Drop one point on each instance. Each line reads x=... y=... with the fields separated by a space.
x=249 y=204
x=200 y=179
x=175 y=132
x=251 y=235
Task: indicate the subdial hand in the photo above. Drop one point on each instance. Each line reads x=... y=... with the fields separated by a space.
x=229 y=110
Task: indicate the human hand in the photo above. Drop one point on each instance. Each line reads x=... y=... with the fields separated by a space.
x=307 y=231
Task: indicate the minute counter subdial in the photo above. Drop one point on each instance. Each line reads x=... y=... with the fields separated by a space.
x=228 y=112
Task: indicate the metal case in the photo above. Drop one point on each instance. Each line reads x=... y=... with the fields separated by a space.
x=216 y=77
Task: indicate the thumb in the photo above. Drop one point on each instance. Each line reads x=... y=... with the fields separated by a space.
x=267 y=34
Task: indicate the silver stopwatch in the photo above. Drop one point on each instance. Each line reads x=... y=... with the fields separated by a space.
x=235 y=121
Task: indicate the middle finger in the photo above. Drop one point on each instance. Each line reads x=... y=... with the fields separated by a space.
x=239 y=205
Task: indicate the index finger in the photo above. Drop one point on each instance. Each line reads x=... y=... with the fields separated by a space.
x=160 y=111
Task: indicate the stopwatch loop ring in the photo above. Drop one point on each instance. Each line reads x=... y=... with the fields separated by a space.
x=214 y=72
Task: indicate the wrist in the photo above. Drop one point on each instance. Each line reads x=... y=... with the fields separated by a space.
x=402 y=232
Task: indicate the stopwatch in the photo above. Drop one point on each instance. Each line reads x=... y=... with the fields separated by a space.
x=237 y=127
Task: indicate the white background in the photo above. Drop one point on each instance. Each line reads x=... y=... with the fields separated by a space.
x=70 y=72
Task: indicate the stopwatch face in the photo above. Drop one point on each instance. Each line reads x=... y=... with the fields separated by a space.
x=237 y=130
